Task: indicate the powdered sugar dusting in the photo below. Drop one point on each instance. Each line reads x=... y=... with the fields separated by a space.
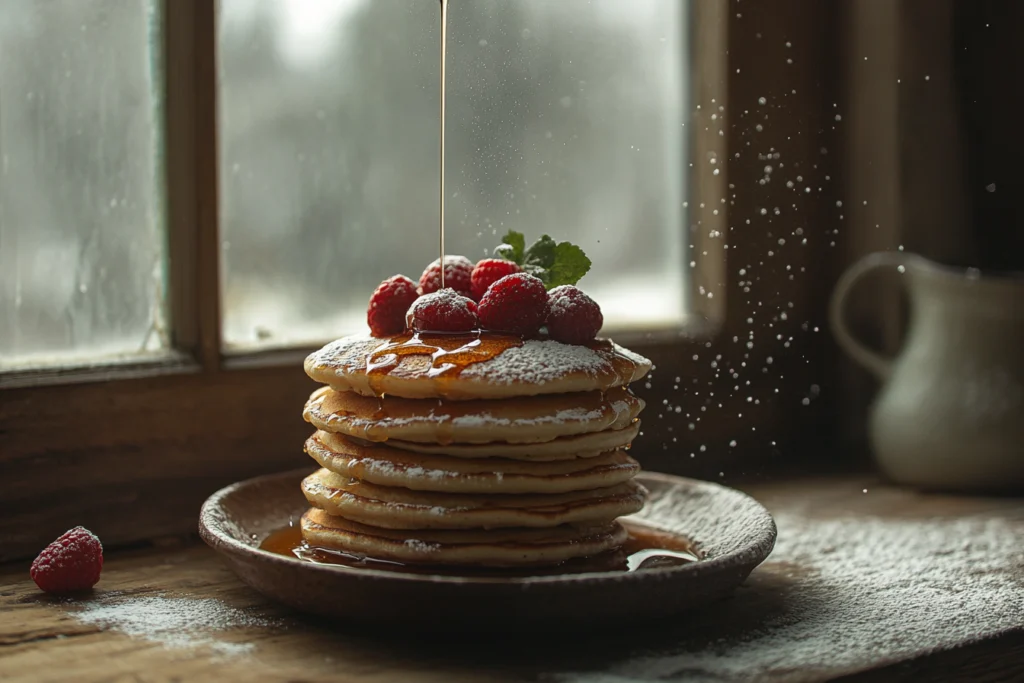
x=345 y=353
x=620 y=407
x=344 y=498
x=558 y=302
x=539 y=362
x=561 y=417
x=444 y=303
x=422 y=546
x=177 y=622
x=387 y=468
x=482 y=420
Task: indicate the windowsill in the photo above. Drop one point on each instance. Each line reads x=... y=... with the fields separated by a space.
x=883 y=585
x=160 y=363
x=692 y=328
x=133 y=366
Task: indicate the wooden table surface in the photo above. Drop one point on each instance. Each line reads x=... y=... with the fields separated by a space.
x=867 y=582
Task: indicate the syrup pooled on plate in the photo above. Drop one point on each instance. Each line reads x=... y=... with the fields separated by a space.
x=645 y=548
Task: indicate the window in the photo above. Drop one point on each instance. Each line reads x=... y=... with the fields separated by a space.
x=564 y=117
x=82 y=244
x=263 y=181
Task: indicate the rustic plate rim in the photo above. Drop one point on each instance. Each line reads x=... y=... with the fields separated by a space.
x=757 y=545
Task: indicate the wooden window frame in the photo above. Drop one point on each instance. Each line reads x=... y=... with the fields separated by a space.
x=131 y=450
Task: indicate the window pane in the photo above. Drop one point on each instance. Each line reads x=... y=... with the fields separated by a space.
x=564 y=117
x=81 y=234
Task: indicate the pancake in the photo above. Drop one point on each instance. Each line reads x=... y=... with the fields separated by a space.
x=398 y=508
x=471 y=366
x=562 y=448
x=497 y=548
x=518 y=420
x=385 y=466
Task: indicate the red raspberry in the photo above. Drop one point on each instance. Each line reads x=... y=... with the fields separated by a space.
x=573 y=317
x=71 y=563
x=458 y=275
x=388 y=304
x=516 y=303
x=489 y=271
x=443 y=311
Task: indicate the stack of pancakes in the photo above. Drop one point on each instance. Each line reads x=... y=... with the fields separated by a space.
x=471 y=449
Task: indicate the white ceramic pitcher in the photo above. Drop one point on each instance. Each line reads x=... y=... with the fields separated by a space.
x=950 y=414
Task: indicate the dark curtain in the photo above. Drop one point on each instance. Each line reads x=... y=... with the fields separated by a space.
x=933 y=154
x=988 y=56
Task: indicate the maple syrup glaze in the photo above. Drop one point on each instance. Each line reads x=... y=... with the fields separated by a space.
x=623 y=367
x=450 y=353
x=645 y=548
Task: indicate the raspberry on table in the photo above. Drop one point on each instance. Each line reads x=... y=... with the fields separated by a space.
x=489 y=271
x=443 y=311
x=573 y=317
x=386 y=313
x=516 y=303
x=458 y=275
x=71 y=563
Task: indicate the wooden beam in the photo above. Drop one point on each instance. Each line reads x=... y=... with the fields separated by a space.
x=190 y=84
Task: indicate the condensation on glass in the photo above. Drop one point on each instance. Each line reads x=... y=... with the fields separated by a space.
x=567 y=118
x=81 y=223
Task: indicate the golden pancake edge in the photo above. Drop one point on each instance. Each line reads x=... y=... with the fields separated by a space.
x=535 y=367
x=515 y=547
x=473 y=449
x=385 y=466
x=397 y=508
x=530 y=419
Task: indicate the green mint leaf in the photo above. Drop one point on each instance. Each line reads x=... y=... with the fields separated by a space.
x=569 y=266
x=512 y=247
x=556 y=263
x=541 y=253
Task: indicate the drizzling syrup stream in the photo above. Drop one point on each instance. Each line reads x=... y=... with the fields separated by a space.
x=444 y=50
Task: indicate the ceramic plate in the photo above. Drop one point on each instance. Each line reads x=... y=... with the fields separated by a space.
x=733 y=532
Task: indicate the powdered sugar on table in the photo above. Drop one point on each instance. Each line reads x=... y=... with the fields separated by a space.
x=174 y=622
x=871 y=590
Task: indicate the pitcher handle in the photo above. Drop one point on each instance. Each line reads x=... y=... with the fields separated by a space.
x=872 y=360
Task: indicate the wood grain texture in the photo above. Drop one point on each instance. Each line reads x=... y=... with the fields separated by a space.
x=135 y=459
x=820 y=609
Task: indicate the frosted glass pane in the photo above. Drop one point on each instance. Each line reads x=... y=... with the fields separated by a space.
x=81 y=232
x=565 y=117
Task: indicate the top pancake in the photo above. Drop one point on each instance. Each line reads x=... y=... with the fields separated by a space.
x=471 y=366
